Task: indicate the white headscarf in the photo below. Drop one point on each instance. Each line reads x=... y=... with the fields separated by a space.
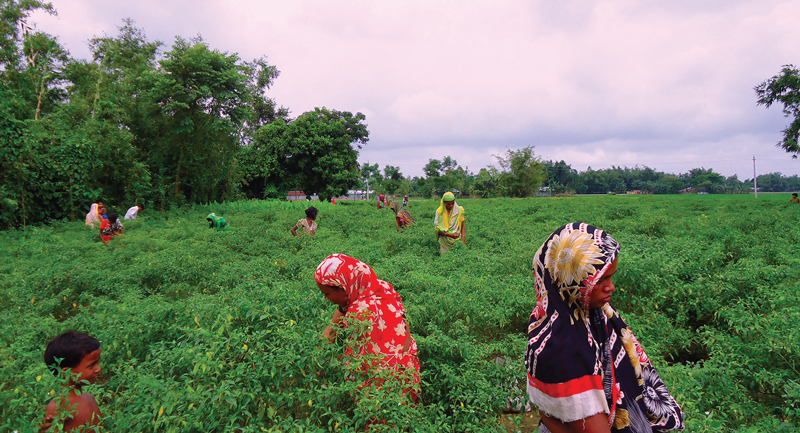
x=92 y=217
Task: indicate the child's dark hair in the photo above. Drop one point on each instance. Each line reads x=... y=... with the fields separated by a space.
x=794 y=194
x=311 y=212
x=70 y=347
x=112 y=217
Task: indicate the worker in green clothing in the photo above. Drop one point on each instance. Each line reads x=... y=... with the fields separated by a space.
x=216 y=223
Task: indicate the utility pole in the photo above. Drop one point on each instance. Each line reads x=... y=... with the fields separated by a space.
x=755 y=179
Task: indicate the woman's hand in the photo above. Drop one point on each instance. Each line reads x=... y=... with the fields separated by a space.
x=329 y=333
x=407 y=344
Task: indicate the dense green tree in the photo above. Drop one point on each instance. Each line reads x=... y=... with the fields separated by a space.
x=445 y=175
x=706 y=180
x=392 y=179
x=560 y=176
x=115 y=90
x=313 y=153
x=200 y=99
x=522 y=172
x=487 y=183
x=371 y=177
x=784 y=88
x=432 y=169
x=261 y=110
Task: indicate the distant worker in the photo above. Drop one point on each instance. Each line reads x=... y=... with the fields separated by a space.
x=93 y=217
x=402 y=217
x=111 y=227
x=381 y=201
x=449 y=223
x=216 y=223
x=307 y=223
x=794 y=198
x=405 y=201
x=133 y=212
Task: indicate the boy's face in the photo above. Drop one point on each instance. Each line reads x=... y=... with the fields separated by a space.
x=89 y=367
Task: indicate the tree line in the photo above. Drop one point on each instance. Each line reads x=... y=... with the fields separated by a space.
x=520 y=173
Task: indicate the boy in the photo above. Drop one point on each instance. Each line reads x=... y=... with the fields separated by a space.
x=80 y=358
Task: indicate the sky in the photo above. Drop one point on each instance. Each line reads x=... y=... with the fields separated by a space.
x=668 y=85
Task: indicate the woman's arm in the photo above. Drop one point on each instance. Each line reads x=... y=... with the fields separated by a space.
x=294 y=230
x=407 y=344
x=464 y=232
x=597 y=423
x=328 y=332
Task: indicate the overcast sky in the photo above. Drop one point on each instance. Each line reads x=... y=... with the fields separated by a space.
x=668 y=84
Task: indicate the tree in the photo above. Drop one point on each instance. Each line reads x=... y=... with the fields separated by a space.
x=201 y=98
x=445 y=175
x=785 y=89
x=313 y=153
x=114 y=90
x=522 y=172
x=487 y=183
x=560 y=176
x=706 y=180
x=432 y=168
x=392 y=179
x=261 y=109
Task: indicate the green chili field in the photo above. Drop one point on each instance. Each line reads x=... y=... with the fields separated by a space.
x=207 y=331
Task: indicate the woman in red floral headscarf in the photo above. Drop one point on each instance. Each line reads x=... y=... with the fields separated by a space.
x=361 y=296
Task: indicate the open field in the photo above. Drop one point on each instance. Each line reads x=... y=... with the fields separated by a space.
x=219 y=331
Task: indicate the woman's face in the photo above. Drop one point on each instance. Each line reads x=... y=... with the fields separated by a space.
x=604 y=287
x=449 y=205
x=336 y=295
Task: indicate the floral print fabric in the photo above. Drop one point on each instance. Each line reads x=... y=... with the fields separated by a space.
x=584 y=361
x=309 y=229
x=376 y=303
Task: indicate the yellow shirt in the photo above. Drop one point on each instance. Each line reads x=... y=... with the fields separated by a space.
x=446 y=215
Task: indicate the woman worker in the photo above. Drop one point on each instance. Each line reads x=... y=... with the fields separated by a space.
x=216 y=222
x=97 y=213
x=361 y=296
x=402 y=217
x=449 y=223
x=586 y=370
x=93 y=217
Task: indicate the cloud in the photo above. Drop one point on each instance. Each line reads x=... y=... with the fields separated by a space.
x=616 y=82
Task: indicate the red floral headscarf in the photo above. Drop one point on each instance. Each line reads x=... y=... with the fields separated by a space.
x=356 y=278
